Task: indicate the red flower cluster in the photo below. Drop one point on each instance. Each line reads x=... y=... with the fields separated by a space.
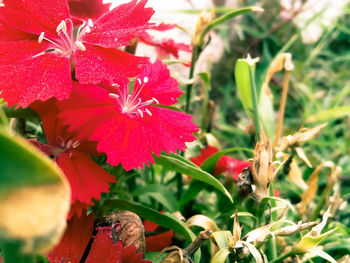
x=226 y=164
x=63 y=58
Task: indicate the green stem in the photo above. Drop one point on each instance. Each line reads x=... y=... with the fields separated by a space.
x=195 y=55
x=255 y=100
x=272 y=246
x=280 y=258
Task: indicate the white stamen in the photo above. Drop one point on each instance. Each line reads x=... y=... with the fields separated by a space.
x=112 y=95
x=145 y=79
x=149 y=101
x=140 y=112
x=75 y=144
x=90 y=23
x=69 y=144
x=149 y=113
x=80 y=45
x=87 y=29
x=115 y=85
x=62 y=26
x=125 y=109
x=41 y=37
x=155 y=100
x=58 y=51
x=140 y=82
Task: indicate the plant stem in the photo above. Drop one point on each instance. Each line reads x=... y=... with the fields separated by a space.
x=282 y=107
x=255 y=101
x=286 y=255
x=195 y=55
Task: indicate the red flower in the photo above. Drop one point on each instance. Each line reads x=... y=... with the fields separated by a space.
x=75 y=241
x=165 y=46
x=129 y=127
x=38 y=44
x=85 y=9
x=157 y=242
x=226 y=164
x=86 y=178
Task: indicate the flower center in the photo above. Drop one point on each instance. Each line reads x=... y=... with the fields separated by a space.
x=66 y=43
x=132 y=103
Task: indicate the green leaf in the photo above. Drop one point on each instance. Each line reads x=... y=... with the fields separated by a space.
x=34 y=196
x=160 y=194
x=222 y=238
x=221 y=255
x=330 y=114
x=181 y=165
x=206 y=89
x=308 y=241
x=13 y=253
x=166 y=220
x=193 y=190
x=243 y=81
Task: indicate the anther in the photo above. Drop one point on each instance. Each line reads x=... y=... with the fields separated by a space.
x=58 y=51
x=69 y=144
x=88 y=29
x=41 y=37
x=149 y=101
x=115 y=85
x=140 y=82
x=75 y=144
x=80 y=45
x=149 y=113
x=90 y=23
x=125 y=109
x=140 y=112
x=155 y=100
x=112 y=95
x=62 y=26
x=145 y=79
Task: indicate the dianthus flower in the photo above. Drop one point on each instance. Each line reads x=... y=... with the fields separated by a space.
x=77 y=237
x=86 y=178
x=159 y=241
x=226 y=164
x=164 y=46
x=131 y=125
x=38 y=45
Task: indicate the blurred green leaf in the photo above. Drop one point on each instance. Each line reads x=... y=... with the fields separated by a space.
x=34 y=196
x=222 y=238
x=243 y=81
x=160 y=193
x=181 y=165
x=330 y=114
x=221 y=255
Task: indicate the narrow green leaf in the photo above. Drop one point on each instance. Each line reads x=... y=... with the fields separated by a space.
x=242 y=77
x=181 y=165
x=206 y=89
x=221 y=255
x=222 y=238
x=193 y=190
x=330 y=114
x=159 y=193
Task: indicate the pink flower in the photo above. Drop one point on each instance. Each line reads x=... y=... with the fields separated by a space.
x=130 y=126
x=165 y=46
x=157 y=242
x=86 y=178
x=38 y=44
x=226 y=164
x=77 y=237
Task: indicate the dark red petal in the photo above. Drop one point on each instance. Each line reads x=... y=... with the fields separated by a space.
x=85 y=9
x=117 y=27
x=160 y=84
x=77 y=209
x=130 y=256
x=74 y=241
x=39 y=78
x=163 y=27
x=230 y=165
x=86 y=178
x=97 y=64
x=157 y=242
x=204 y=155
x=122 y=136
x=34 y=16
x=103 y=250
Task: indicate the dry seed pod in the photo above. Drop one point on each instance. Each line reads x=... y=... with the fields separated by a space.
x=131 y=231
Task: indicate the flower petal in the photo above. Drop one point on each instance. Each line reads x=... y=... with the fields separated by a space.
x=85 y=9
x=74 y=241
x=86 y=178
x=117 y=27
x=96 y=64
x=160 y=84
x=157 y=242
x=39 y=78
x=204 y=155
x=34 y=16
